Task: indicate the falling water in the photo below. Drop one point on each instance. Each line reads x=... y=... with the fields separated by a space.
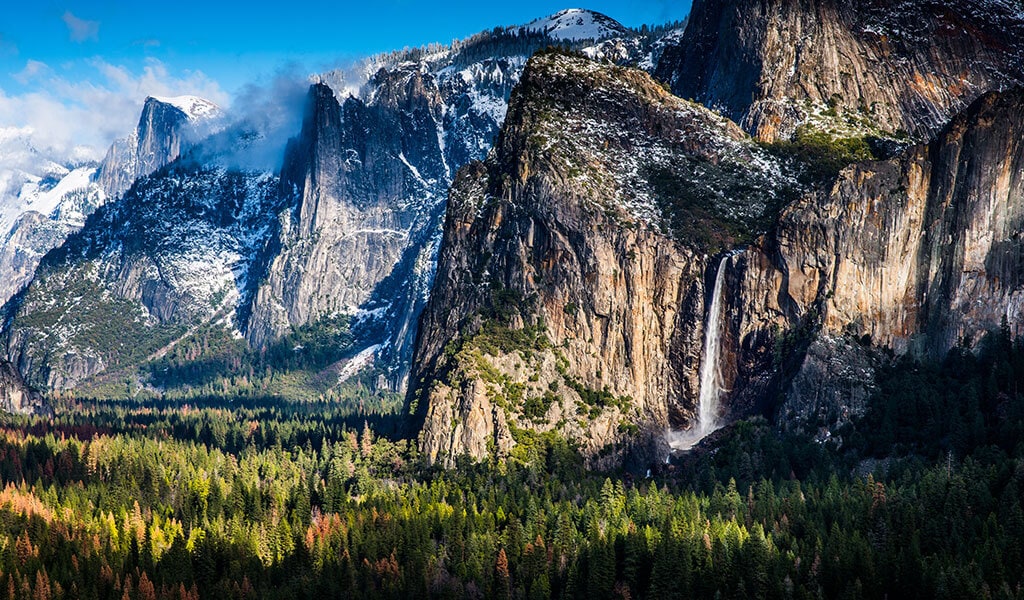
x=712 y=382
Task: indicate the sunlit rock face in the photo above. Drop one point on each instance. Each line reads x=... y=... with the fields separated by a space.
x=907 y=65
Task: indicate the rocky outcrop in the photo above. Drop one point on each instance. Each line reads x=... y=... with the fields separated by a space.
x=908 y=65
x=566 y=298
x=15 y=395
x=157 y=141
x=917 y=254
x=368 y=180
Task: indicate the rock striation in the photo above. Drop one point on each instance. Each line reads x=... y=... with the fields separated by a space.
x=907 y=65
x=15 y=395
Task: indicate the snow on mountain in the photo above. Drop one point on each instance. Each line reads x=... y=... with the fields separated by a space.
x=31 y=180
x=42 y=200
x=194 y=107
x=577 y=24
x=402 y=125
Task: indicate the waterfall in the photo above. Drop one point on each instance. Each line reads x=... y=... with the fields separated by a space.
x=712 y=382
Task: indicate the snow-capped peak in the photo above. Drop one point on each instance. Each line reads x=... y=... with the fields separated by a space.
x=577 y=24
x=194 y=107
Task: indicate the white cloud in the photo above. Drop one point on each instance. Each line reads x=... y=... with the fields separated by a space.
x=81 y=30
x=33 y=69
x=75 y=118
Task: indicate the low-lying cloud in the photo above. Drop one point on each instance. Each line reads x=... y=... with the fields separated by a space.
x=77 y=119
x=260 y=122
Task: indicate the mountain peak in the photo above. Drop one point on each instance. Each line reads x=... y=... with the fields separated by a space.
x=577 y=24
x=194 y=107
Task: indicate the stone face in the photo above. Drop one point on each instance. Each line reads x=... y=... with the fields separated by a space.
x=29 y=238
x=561 y=243
x=922 y=248
x=917 y=254
x=558 y=274
x=906 y=65
x=369 y=176
x=15 y=395
x=833 y=385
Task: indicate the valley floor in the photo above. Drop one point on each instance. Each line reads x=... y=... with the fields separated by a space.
x=222 y=498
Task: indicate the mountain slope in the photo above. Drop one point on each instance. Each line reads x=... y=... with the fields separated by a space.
x=54 y=202
x=174 y=252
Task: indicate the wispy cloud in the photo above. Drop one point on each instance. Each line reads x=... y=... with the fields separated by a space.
x=81 y=30
x=262 y=119
x=79 y=117
x=147 y=43
x=32 y=70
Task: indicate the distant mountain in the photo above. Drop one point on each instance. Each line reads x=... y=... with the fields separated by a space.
x=349 y=228
x=43 y=201
x=157 y=141
x=577 y=24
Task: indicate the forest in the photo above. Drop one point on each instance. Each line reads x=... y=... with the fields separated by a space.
x=263 y=497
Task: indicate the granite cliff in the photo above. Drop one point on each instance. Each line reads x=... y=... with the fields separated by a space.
x=573 y=283
x=866 y=65
x=15 y=395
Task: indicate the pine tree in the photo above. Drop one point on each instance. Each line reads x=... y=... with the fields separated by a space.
x=502 y=579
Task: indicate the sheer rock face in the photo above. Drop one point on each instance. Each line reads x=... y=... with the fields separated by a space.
x=15 y=395
x=556 y=275
x=369 y=176
x=368 y=181
x=562 y=300
x=909 y=65
x=157 y=141
x=917 y=254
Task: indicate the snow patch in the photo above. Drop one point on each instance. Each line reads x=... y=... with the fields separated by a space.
x=359 y=362
x=194 y=107
x=577 y=24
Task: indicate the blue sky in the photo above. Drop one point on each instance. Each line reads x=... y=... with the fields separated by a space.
x=63 y=62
